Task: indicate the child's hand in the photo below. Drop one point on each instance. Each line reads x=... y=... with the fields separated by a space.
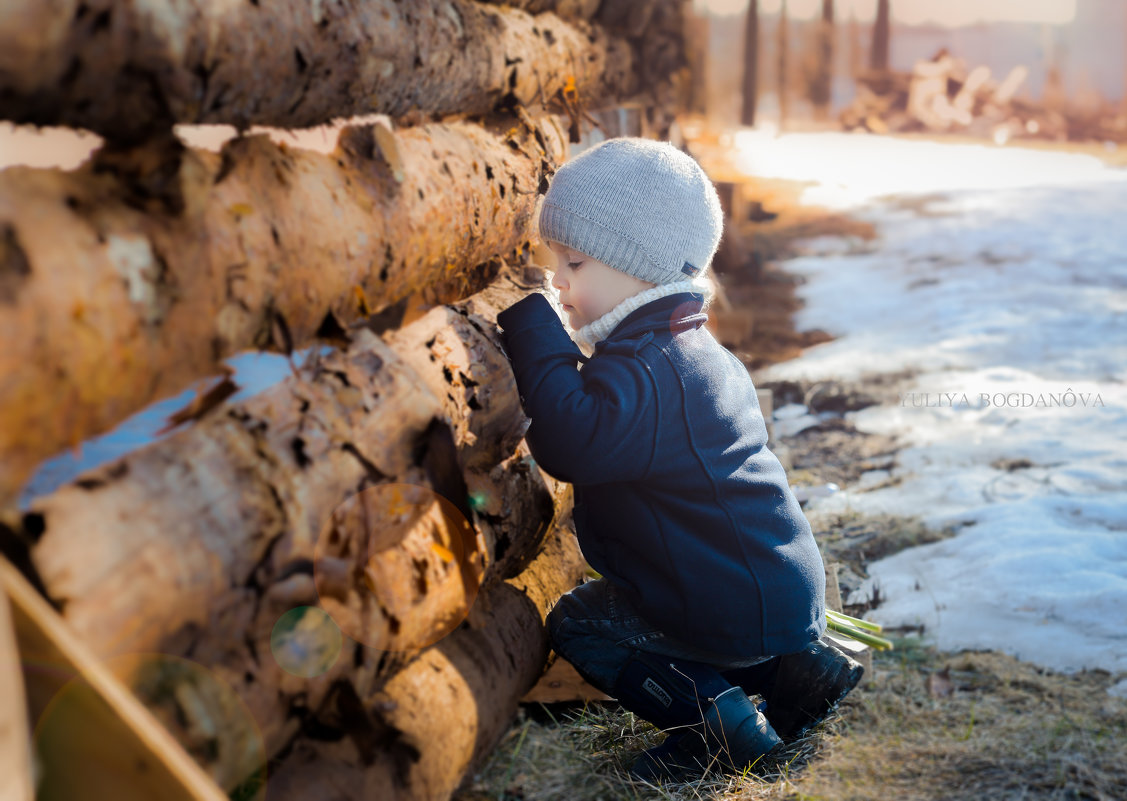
x=524 y=310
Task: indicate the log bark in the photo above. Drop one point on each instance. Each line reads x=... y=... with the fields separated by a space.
x=635 y=19
x=663 y=62
x=127 y=68
x=125 y=281
x=655 y=30
x=439 y=717
x=696 y=51
x=564 y=9
x=197 y=545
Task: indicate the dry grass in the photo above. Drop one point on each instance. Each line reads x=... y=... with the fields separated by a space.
x=924 y=726
x=969 y=726
x=927 y=726
x=584 y=754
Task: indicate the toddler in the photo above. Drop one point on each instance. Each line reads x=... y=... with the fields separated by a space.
x=711 y=583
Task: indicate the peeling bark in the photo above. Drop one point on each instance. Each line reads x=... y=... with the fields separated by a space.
x=197 y=544
x=656 y=32
x=126 y=68
x=656 y=29
x=123 y=282
x=439 y=717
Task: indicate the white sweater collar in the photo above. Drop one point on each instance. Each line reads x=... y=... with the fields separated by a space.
x=600 y=329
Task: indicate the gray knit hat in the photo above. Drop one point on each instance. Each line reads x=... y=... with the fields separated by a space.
x=638 y=205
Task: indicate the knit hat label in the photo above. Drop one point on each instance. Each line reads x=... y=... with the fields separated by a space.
x=689 y=269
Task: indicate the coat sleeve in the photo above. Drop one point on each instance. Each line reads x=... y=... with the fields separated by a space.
x=594 y=426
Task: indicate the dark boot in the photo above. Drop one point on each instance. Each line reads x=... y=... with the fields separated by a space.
x=716 y=723
x=757 y=679
x=666 y=762
x=802 y=688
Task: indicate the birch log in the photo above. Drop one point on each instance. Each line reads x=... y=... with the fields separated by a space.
x=438 y=718
x=198 y=544
x=127 y=68
x=123 y=282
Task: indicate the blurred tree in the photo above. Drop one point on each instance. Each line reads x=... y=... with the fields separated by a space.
x=1124 y=104
x=855 y=47
x=821 y=79
x=1054 y=96
x=781 y=73
x=751 y=63
x=878 y=56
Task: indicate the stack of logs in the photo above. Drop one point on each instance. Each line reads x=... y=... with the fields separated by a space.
x=385 y=481
x=942 y=95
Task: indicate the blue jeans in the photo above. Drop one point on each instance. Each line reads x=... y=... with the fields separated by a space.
x=597 y=630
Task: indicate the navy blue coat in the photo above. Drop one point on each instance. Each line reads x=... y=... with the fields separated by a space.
x=678 y=501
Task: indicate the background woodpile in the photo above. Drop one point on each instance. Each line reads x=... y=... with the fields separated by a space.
x=384 y=482
x=944 y=95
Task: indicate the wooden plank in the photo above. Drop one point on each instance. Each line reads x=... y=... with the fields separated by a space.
x=833 y=589
x=15 y=751
x=858 y=650
x=93 y=738
x=562 y=682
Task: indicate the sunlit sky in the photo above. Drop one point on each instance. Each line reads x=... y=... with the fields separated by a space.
x=952 y=13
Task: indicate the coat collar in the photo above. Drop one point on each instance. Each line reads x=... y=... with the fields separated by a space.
x=668 y=315
x=669 y=307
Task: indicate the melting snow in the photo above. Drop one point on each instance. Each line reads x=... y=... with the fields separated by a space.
x=1004 y=295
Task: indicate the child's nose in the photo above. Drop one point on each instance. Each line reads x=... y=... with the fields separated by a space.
x=557 y=280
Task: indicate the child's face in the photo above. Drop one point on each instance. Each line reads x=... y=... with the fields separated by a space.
x=589 y=288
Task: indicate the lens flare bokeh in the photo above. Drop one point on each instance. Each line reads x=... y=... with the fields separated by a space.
x=305 y=641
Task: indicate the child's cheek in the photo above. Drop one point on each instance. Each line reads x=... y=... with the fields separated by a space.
x=579 y=313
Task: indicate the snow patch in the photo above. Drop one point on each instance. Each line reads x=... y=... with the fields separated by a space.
x=1009 y=309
